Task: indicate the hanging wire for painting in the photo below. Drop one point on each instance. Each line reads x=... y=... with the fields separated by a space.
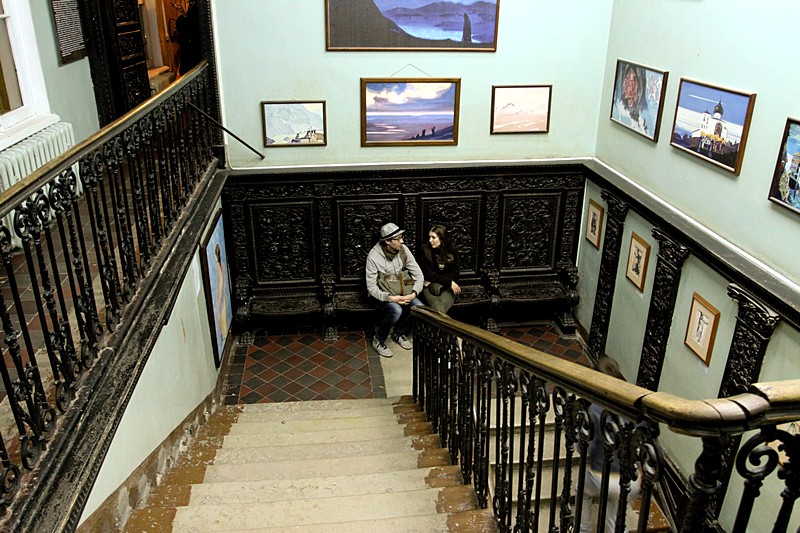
x=412 y=66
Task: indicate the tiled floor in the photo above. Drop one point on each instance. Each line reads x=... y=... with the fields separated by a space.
x=301 y=366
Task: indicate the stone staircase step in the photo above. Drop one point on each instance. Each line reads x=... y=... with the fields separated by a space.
x=326 y=405
x=312 y=437
x=311 y=425
x=250 y=416
x=314 y=510
x=320 y=487
x=318 y=451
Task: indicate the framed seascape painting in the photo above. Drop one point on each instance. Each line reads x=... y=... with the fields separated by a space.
x=785 y=189
x=594 y=223
x=712 y=123
x=457 y=25
x=216 y=282
x=521 y=108
x=639 y=98
x=702 y=328
x=638 y=257
x=399 y=112
x=293 y=123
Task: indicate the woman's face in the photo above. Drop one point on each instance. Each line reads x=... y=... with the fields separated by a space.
x=434 y=240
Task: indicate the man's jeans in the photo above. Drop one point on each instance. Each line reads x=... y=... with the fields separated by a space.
x=395 y=315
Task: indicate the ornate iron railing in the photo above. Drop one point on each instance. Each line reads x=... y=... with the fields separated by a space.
x=489 y=397
x=89 y=237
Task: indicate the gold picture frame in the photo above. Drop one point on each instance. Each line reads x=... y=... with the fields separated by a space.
x=638 y=258
x=594 y=223
x=701 y=330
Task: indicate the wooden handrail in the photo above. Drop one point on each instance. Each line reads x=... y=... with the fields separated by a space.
x=764 y=404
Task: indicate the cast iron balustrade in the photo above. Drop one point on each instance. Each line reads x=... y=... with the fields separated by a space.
x=90 y=222
x=470 y=383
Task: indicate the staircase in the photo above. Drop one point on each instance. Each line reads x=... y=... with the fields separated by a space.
x=321 y=466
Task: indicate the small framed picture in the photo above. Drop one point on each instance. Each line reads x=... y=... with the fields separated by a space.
x=638 y=256
x=521 y=108
x=702 y=328
x=639 y=98
x=594 y=223
x=785 y=189
x=414 y=111
x=216 y=282
x=712 y=123
x=293 y=123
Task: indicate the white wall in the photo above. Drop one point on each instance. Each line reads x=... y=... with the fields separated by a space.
x=276 y=51
x=179 y=375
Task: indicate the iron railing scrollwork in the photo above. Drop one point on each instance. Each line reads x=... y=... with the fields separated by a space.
x=91 y=223
x=507 y=397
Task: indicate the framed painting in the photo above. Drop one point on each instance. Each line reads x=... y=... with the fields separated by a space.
x=521 y=108
x=216 y=282
x=638 y=98
x=638 y=257
x=386 y=25
x=414 y=111
x=702 y=328
x=594 y=223
x=293 y=123
x=785 y=189
x=712 y=123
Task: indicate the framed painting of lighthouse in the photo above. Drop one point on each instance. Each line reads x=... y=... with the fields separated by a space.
x=712 y=123
x=785 y=189
x=416 y=25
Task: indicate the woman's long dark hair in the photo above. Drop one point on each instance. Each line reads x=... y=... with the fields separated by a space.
x=447 y=252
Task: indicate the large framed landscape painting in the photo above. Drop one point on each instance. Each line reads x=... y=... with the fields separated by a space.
x=712 y=123
x=458 y=25
x=521 y=108
x=785 y=189
x=639 y=98
x=413 y=111
x=293 y=123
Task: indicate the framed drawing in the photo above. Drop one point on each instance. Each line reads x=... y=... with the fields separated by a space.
x=386 y=25
x=399 y=112
x=638 y=98
x=216 y=282
x=712 y=123
x=594 y=223
x=293 y=124
x=785 y=189
x=638 y=256
x=702 y=328
x=521 y=108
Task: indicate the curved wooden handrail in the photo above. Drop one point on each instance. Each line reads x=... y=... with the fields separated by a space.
x=764 y=404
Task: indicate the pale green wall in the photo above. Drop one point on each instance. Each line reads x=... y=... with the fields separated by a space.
x=177 y=377
x=278 y=53
x=69 y=87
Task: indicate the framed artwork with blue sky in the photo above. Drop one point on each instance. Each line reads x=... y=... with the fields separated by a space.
x=712 y=123
x=413 y=111
x=785 y=189
x=419 y=25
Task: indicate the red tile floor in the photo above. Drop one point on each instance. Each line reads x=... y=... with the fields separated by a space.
x=301 y=366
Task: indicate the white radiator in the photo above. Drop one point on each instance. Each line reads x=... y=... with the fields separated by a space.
x=21 y=159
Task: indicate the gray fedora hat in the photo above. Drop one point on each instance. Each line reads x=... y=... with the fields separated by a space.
x=390 y=231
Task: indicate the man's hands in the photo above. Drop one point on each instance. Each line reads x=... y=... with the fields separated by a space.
x=455 y=287
x=402 y=300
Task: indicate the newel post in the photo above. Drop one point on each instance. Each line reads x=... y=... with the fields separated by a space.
x=704 y=483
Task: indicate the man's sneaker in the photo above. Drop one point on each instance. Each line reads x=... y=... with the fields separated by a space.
x=403 y=341
x=381 y=348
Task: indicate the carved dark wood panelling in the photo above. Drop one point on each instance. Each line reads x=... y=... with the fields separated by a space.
x=755 y=324
x=137 y=90
x=359 y=229
x=125 y=11
x=130 y=44
x=530 y=231
x=671 y=256
x=607 y=280
x=527 y=210
x=283 y=242
x=461 y=215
